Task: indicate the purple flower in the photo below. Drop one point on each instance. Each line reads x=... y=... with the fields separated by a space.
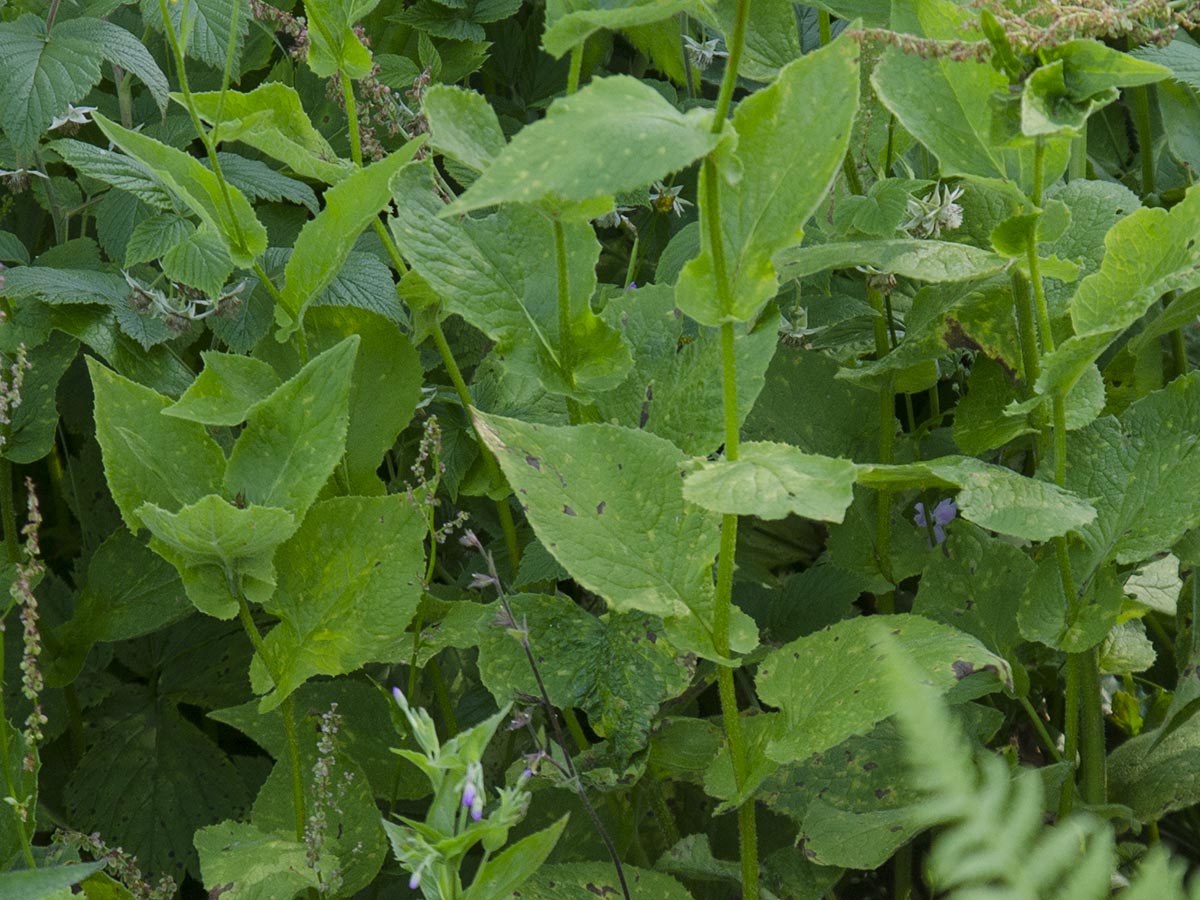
x=943 y=514
x=415 y=881
x=468 y=795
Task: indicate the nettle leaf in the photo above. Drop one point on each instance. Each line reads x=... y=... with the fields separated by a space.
x=220 y=549
x=618 y=669
x=947 y=104
x=209 y=23
x=294 y=437
x=773 y=481
x=32 y=424
x=616 y=134
x=930 y=260
x=772 y=38
x=786 y=168
x=199 y=188
x=325 y=241
x=333 y=45
x=116 y=169
x=226 y=389
x=350 y=581
x=271 y=118
x=149 y=457
x=121 y=48
x=384 y=392
x=258 y=181
x=65 y=286
x=993 y=497
x=570 y=881
x=830 y=685
x=608 y=503
x=240 y=862
x=495 y=273
x=674 y=387
x=153 y=237
x=571 y=22
x=151 y=780
x=201 y=261
x=462 y=126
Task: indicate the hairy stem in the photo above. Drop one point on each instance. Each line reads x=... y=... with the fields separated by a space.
x=1139 y=103
x=576 y=69
x=352 y=117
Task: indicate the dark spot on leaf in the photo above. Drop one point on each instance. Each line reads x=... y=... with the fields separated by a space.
x=652 y=637
x=534 y=461
x=894 y=829
x=645 y=416
x=567 y=510
x=880 y=793
x=600 y=508
x=870 y=766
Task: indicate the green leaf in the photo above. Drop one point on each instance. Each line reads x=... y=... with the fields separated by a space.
x=571 y=881
x=830 y=685
x=33 y=423
x=153 y=237
x=616 y=134
x=115 y=169
x=121 y=48
x=1154 y=775
x=12 y=250
x=500 y=875
x=773 y=481
x=385 y=388
x=271 y=118
x=226 y=390
x=240 y=862
x=129 y=592
x=258 y=181
x=65 y=286
x=149 y=457
x=571 y=22
x=325 y=242
x=294 y=437
x=149 y=781
x=42 y=74
x=495 y=273
x=200 y=261
x=462 y=126
x=1091 y=67
x=220 y=550
x=619 y=670
x=772 y=38
x=333 y=45
x=350 y=581
x=786 y=168
x=210 y=23
x=199 y=188
x=674 y=389
x=993 y=497
x=1148 y=253
x=920 y=260
x=608 y=503
x=980 y=423
x=40 y=884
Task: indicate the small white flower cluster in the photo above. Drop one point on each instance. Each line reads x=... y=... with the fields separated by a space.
x=702 y=53
x=934 y=212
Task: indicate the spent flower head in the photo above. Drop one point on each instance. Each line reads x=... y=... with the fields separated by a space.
x=665 y=199
x=702 y=53
x=937 y=210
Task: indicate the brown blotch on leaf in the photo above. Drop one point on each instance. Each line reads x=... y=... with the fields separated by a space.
x=533 y=461
x=600 y=508
x=567 y=510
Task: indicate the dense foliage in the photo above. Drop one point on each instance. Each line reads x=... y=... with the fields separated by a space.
x=656 y=449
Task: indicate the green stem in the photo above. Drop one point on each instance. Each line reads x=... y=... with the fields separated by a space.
x=1179 y=352
x=576 y=70
x=352 y=117
x=566 y=352
x=443 y=698
x=227 y=71
x=885 y=602
x=8 y=515
x=689 y=80
x=1040 y=727
x=288 y=710
x=575 y=729
x=1077 y=167
x=122 y=80
x=1139 y=103
x=1093 y=763
x=824 y=30
x=1066 y=800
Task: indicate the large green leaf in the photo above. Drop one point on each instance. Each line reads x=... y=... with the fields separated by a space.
x=773 y=481
x=31 y=431
x=608 y=503
x=325 y=242
x=993 y=497
x=572 y=881
x=571 y=22
x=294 y=437
x=1147 y=254
x=41 y=884
x=616 y=134
x=463 y=126
x=786 y=167
x=149 y=457
x=271 y=118
x=921 y=260
x=222 y=552
x=496 y=273
x=209 y=25
x=224 y=209
x=1154 y=774
x=240 y=862
x=116 y=169
x=333 y=45
x=120 y=48
x=499 y=875
x=149 y=781
x=619 y=670
x=225 y=390
x=349 y=582
x=830 y=685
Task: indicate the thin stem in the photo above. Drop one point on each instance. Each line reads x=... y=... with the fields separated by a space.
x=227 y=71
x=1139 y=103
x=122 y=80
x=1040 y=727
x=443 y=698
x=735 y=44
x=352 y=116
x=576 y=69
x=576 y=729
x=8 y=512
x=885 y=602
x=1094 y=776
x=689 y=80
x=902 y=873
x=1066 y=800
x=824 y=30
x=566 y=352
x=1077 y=167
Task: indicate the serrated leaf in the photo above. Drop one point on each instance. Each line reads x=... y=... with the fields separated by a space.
x=829 y=685
x=149 y=457
x=1154 y=774
x=463 y=126
x=992 y=497
x=121 y=48
x=153 y=237
x=326 y=241
x=616 y=134
x=920 y=260
x=608 y=503
x=258 y=181
x=65 y=286
x=200 y=261
x=32 y=424
x=115 y=169
x=240 y=862
x=199 y=188
x=773 y=481
x=619 y=669
x=333 y=45
x=271 y=118
x=350 y=581
x=220 y=550
x=570 y=22
x=226 y=389
x=294 y=437
x=786 y=169
x=364 y=282
x=209 y=25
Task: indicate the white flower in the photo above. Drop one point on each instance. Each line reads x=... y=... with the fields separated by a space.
x=933 y=212
x=74 y=114
x=666 y=199
x=702 y=53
